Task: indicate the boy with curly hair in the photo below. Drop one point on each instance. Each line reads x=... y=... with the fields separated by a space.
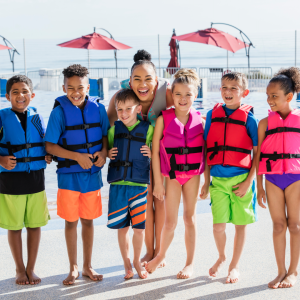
x=77 y=135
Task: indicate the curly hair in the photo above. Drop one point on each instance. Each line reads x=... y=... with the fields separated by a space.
x=289 y=80
x=237 y=76
x=18 y=78
x=125 y=95
x=142 y=57
x=187 y=76
x=75 y=70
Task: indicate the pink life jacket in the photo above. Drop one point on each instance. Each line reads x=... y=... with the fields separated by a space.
x=182 y=147
x=280 y=150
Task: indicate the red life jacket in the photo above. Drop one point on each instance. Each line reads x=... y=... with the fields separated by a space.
x=228 y=142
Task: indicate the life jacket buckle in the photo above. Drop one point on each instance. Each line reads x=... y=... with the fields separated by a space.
x=85 y=126
x=226 y=120
x=26 y=159
x=183 y=168
x=88 y=145
x=182 y=151
x=27 y=146
x=126 y=164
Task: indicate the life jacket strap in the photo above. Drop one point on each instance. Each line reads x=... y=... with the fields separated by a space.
x=80 y=146
x=217 y=148
x=29 y=159
x=119 y=164
x=274 y=156
x=228 y=120
x=16 y=148
x=282 y=129
x=83 y=126
x=184 y=150
x=129 y=137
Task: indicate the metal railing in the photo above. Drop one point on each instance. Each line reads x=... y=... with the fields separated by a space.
x=8 y=75
x=109 y=73
x=168 y=72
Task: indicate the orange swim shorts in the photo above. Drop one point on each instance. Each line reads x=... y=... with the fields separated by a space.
x=72 y=205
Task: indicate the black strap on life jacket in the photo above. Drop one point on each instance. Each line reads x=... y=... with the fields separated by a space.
x=29 y=159
x=67 y=163
x=129 y=137
x=228 y=120
x=274 y=156
x=16 y=148
x=184 y=150
x=80 y=146
x=119 y=164
x=215 y=150
x=282 y=129
x=83 y=126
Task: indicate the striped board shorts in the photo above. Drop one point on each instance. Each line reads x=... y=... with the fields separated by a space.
x=127 y=205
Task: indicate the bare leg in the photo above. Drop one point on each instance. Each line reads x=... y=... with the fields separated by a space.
x=190 y=192
x=33 y=242
x=239 y=242
x=15 y=243
x=124 y=244
x=137 y=241
x=220 y=240
x=292 y=196
x=87 y=234
x=172 y=201
x=71 y=241
x=276 y=204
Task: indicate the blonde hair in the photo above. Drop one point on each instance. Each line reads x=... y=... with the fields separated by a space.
x=187 y=76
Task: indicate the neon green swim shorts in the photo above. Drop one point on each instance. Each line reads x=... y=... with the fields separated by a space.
x=227 y=207
x=18 y=211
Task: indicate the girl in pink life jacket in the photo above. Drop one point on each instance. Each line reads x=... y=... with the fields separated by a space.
x=178 y=155
x=279 y=159
x=155 y=95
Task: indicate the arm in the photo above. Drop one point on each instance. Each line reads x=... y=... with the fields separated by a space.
x=101 y=154
x=158 y=190
x=169 y=98
x=205 y=187
x=111 y=111
x=261 y=194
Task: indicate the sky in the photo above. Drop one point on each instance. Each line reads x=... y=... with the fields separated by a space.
x=72 y=18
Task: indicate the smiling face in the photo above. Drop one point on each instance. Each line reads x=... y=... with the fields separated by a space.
x=232 y=93
x=277 y=100
x=143 y=81
x=20 y=96
x=76 y=89
x=184 y=96
x=127 y=112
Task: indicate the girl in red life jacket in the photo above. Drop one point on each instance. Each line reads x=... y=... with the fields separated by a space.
x=178 y=155
x=279 y=159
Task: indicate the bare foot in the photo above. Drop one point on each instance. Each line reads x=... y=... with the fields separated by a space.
x=33 y=279
x=162 y=264
x=129 y=275
x=215 y=269
x=140 y=269
x=186 y=272
x=233 y=276
x=91 y=273
x=274 y=284
x=21 y=278
x=73 y=275
x=152 y=265
x=289 y=280
x=128 y=269
x=147 y=257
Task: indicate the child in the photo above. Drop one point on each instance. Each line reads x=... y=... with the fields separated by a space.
x=178 y=155
x=23 y=158
x=129 y=173
x=231 y=135
x=77 y=135
x=279 y=158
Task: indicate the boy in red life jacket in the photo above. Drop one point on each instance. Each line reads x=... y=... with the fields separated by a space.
x=231 y=135
x=77 y=135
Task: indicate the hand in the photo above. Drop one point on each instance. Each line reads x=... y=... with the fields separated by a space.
x=261 y=198
x=242 y=188
x=112 y=153
x=101 y=158
x=48 y=159
x=204 y=191
x=84 y=160
x=159 y=192
x=145 y=150
x=8 y=162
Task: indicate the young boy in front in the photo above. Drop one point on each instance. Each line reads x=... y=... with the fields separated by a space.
x=231 y=136
x=128 y=174
x=77 y=135
x=23 y=158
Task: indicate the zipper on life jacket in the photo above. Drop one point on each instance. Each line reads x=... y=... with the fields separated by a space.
x=86 y=137
x=127 y=155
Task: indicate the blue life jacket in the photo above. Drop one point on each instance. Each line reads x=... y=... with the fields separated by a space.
x=82 y=133
x=28 y=148
x=130 y=164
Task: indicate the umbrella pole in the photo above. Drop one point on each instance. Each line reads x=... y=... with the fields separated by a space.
x=159 y=56
x=116 y=63
x=227 y=60
x=89 y=60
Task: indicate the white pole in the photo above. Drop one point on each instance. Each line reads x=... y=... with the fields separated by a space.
x=295 y=48
x=24 y=57
x=89 y=59
x=227 y=60
x=159 y=56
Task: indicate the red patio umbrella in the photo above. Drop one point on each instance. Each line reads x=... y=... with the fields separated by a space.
x=212 y=36
x=174 y=47
x=2 y=47
x=95 y=41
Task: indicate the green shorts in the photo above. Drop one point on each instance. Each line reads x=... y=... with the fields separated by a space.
x=18 y=211
x=227 y=207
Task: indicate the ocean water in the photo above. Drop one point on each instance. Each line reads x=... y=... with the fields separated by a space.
x=44 y=101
